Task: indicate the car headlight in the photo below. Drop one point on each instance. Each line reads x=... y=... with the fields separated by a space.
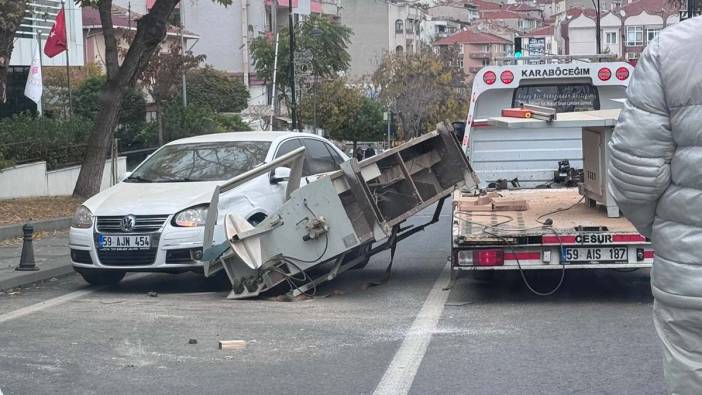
x=83 y=218
x=191 y=217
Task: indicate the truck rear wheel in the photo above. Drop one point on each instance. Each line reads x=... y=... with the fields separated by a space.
x=101 y=277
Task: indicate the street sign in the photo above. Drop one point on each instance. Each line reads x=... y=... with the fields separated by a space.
x=536 y=46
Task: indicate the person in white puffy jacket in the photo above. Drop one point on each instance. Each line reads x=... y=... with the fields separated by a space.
x=655 y=176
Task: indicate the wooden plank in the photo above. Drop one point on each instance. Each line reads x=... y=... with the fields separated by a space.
x=232 y=344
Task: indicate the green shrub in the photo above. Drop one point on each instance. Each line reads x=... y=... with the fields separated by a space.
x=25 y=138
x=231 y=123
x=219 y=90
x=86 y=99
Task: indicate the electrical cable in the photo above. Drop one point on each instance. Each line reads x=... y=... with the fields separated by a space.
x=546 y=225
x=521 y=270
x=560 y=210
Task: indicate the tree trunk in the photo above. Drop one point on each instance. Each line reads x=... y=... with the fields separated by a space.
x=151 y=30
x=13 y=13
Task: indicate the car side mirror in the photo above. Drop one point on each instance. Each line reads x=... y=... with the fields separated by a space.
x=279 y=174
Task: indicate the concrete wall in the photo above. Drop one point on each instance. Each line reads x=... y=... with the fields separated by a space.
x=32 y=179
x=369 y=21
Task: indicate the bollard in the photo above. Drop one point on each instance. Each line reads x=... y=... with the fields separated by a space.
x=27 y=259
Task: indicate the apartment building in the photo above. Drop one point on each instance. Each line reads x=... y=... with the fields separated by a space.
x=225 y=32
x=379 y=27
x=625 y=30
x=476 y=49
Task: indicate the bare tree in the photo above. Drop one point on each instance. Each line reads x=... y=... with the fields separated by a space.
x=415 y=86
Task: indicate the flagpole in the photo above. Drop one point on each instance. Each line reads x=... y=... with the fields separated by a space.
x=39 y=106
x=68 y=71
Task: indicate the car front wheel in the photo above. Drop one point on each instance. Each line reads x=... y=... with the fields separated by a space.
x=101 y=277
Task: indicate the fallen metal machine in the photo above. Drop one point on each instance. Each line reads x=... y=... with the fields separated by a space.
x=336 y=222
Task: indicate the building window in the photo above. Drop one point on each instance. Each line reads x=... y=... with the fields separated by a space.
x=485 y=48
x=634 y=36
x=632 y=56
x=460 y=63
x=398 y=49
x=611 y=37
x=486 y=62
x=409 y=26
x=651 y=34
x=417 y=27
x=461 y=49
x=399 y=26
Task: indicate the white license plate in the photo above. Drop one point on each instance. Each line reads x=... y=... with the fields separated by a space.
x=594 y=254
x=126 y=242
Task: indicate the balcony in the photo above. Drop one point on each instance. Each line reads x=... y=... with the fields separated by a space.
x=479 y=55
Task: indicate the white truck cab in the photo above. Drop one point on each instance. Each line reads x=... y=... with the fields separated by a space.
x=529 y=154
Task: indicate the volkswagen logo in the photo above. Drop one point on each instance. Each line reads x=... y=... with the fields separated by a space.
x=128 y=223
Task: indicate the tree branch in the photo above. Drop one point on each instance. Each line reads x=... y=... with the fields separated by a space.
x=108 y=32
x=151 y=30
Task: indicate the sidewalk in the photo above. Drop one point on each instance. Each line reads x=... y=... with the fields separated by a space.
x=50 y=254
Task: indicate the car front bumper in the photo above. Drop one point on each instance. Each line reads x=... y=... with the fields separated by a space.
x=173 y=251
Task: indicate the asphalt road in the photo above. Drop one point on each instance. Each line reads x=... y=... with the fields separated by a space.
x=595 y=336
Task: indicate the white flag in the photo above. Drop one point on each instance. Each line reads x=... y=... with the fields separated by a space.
x=304 y=7
x=34 y=87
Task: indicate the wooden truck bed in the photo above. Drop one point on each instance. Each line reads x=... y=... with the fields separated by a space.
x=509 y=219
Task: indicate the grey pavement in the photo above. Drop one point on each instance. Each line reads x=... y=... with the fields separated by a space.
x=594 y=336
x=51 y=256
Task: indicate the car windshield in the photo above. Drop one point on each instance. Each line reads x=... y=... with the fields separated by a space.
x=212 y=161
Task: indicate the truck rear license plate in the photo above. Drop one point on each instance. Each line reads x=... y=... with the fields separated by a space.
x=127 y=242
x=594 y=254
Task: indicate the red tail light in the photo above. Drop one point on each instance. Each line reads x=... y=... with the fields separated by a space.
x=507 y=77
x=488 y=257
x=604 y=74
x=489 y=77
x=622 y=73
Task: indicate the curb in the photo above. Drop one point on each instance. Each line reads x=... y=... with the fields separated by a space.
x=15 y=230
x=33 y=277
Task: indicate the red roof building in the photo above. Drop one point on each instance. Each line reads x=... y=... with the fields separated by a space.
x=476 y=49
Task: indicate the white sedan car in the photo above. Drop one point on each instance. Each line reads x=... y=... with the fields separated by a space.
x=153 y=220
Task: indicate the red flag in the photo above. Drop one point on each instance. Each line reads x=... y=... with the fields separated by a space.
x=57 y=43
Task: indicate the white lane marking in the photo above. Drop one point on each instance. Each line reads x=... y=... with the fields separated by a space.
x=57 y=301
x=46 y=304
x=399 y=376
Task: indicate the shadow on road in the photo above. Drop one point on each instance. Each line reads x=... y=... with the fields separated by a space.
x=169 y=284
x=586 y=286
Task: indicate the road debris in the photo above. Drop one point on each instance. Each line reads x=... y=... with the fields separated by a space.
x=192 y=341
x=232 y=344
